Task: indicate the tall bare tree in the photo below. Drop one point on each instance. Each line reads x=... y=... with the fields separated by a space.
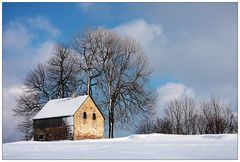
x=124 y=81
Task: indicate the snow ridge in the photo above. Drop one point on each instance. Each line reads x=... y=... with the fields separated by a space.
x=151 y=146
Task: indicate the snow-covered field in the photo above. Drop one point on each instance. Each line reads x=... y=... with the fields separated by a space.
x=153 y=146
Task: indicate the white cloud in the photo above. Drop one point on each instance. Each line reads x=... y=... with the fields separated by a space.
x=15 y=90
x=9 y=129
x=43 y=24
x=171 y=91
x=16 y=37
x=141 y=31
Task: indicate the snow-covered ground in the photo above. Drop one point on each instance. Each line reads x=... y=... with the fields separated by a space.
x=153 y=146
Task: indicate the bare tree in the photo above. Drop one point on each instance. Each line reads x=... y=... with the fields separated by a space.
x=175 y=114
x=218 y=117
x=28 y=104
x=215 y=117
x=37 y=82
x=201 y=124
x=89 y=44
x=145 y=127
x=235 y=124
x=62 y=72
x=189 y=115
x=183 y=115
x=160 y=125
x=163 y=125
x=26 y=127
x=229 y=119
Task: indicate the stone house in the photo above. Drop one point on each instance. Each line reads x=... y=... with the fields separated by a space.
x=69 y=118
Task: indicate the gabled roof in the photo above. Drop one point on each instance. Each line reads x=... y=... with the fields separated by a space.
x=61 y=107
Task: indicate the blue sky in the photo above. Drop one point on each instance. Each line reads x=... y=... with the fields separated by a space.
x=191 y=47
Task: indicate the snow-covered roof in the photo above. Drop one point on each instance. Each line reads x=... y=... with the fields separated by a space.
x=61 y=107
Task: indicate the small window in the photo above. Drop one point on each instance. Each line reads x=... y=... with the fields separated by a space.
x=94 y=116
x=41 y=137
x=84 y=115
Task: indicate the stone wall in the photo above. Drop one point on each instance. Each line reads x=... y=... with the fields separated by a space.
x=88 y=128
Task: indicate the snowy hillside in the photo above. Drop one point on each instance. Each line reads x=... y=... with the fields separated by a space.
x=153 y=146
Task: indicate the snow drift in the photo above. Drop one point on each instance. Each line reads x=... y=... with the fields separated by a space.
x=152 y=146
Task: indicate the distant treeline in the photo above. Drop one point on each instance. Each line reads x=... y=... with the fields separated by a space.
x=186 y=116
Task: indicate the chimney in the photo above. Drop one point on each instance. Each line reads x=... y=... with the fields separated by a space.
x=74 y=95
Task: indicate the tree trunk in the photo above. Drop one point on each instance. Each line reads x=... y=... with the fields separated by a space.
x=110 y=119
x=88 y=86
x=110 y=110
x=111 y=123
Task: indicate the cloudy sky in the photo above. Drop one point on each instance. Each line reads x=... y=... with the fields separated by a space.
x=191 y=47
